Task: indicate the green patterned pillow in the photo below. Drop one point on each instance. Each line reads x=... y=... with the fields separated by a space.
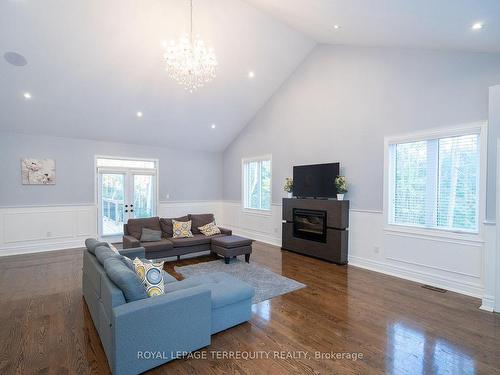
x=181 y=229
x=151 y=276
x=209 y=229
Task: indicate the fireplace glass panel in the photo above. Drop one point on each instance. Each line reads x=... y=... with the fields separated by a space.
x=309 y=224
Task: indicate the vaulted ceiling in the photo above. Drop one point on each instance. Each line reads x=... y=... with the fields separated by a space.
x=93 y=64
x=437 y=24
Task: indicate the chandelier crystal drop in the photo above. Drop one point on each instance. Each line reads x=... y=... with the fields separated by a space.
x=189 y=61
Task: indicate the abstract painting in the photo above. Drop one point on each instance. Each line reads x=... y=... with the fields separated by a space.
x=38 y=171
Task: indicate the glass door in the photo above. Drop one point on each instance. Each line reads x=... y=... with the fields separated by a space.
x=144 y=193
x=126 y=190
x=112 y=203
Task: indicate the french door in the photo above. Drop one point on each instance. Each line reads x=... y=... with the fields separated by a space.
x=124 y=194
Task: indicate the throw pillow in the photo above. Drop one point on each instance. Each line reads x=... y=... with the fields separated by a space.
x=151 y=276
x=181 y=229
x=125 y=279
x=134 y=226
x=209 y=229
x=199 y=220
x=150 y=235
x=166 y=225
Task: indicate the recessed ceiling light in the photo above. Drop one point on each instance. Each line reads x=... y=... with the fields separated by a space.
x=251 y=74
x=212 y=126
x=336 y=27
x=477 y=26
x=139 y=114
x=27 y=95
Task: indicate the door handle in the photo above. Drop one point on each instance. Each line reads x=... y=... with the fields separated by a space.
x=126 y=205
x=126 y=210
x=131 y=205
x=131 y=210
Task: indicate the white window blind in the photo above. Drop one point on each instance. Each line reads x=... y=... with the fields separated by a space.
x=257 y=183
x=435 y=183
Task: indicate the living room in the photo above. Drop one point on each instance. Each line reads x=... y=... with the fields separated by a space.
x=375 y=123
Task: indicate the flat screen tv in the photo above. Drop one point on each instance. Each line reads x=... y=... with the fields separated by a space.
x=317 y=181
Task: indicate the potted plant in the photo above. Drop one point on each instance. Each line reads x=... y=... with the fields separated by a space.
x=288 y=187
x=341 y=185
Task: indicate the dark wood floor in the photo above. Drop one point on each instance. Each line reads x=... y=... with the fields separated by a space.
x=399 y=327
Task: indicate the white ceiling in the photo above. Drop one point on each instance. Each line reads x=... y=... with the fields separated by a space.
x=92 y=64
x=440 y=24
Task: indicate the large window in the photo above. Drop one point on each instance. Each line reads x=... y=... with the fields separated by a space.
x=257 y=183
x=434 y=182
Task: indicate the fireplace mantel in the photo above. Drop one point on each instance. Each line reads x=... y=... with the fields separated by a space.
x=328 y=222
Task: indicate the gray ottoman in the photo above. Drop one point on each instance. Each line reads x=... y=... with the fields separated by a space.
x=231 y=246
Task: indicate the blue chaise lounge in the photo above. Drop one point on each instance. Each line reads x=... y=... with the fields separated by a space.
x=149 y=332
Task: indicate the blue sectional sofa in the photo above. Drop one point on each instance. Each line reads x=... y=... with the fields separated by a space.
x=146 y=333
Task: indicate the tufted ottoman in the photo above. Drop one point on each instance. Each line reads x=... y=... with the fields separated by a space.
x=231 y=246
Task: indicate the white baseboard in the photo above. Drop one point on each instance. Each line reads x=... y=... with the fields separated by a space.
x=43 y=247
x=488 y=303
x=262 y=237
x=473 y=290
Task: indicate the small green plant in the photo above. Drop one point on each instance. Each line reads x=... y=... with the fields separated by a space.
x=288 y=187
x=341 y=184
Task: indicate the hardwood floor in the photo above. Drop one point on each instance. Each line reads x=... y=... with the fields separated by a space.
x=397 y=326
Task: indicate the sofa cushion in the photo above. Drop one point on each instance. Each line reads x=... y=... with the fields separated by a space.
x=134 y=226
x=231 y=241
x=92 y=243
x=161 y=245
x=150 y=235
x=199 y=220
x=182 y=229
x=166 y=225
x=125 y=279
x=103 y=252
x=151 y=275
x=225 y=288
x=209 y=229
x=197 y=239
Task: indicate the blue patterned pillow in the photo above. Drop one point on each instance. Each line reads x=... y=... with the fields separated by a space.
x=151 y=275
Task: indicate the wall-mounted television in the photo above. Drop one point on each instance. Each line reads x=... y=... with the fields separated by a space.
x=316 y=181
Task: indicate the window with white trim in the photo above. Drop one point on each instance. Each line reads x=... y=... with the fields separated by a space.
x=257 y=183
x=434 y=182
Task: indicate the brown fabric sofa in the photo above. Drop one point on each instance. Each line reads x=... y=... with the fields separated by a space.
x=169 y=246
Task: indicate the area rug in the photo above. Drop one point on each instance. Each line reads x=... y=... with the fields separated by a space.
x=267 y=284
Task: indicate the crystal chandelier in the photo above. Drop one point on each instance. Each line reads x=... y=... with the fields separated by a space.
x=189 y=61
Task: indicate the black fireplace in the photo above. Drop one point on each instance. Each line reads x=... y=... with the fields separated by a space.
x=309 y=224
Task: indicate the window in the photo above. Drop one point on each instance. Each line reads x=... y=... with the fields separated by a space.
x=257 y=183
x=434 y=182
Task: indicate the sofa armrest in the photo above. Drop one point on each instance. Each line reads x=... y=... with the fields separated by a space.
x=130 y=242
x=226 y=231
x=175 y=322
x=134 y=252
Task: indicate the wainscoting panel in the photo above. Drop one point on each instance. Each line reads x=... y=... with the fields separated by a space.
x=455 y=265
x=43 y=228
x=265 y=227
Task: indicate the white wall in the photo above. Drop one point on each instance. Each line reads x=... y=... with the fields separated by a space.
x=48 y=217
x=338 y=106
x=342 y=101
x=184 y=174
